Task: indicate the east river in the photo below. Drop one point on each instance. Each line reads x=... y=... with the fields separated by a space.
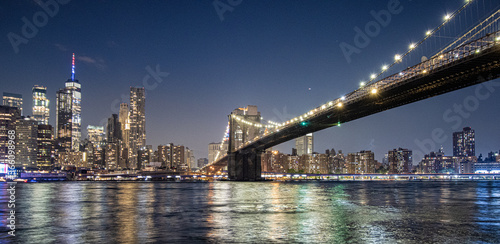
x=255 y=212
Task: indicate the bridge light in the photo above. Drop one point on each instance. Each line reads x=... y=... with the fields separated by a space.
x=339 y=105
x=374 y=91
x=498 y=38
x=342 y=98
x=412 y=45
x=373 y=76
x=397 y=57
x=361 y=84
x=304 y=123
x=424 y=71
x=330 y=103
x=385 y=67
x=447 y=17
x=428 y=32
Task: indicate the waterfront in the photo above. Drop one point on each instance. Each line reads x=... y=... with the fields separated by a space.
x=333 y=212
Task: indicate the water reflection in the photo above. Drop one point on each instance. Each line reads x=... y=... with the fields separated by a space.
x=331 y=212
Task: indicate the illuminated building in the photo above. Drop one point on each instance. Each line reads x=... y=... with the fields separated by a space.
x=137 y=121
x=362 y=162
x=464 y=144
x=124 y=119
x=41 y=111
x=8 y=117
x=305 y=144
x=172 y=157
x=13 y=100
x=68 y=114
x=400 y=161
x=26 y=142
x=45 y=143
x=96 y=138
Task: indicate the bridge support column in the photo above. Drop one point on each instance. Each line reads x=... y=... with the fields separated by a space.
x=245 y=166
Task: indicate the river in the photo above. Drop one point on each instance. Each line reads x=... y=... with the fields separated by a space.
x=257 y=212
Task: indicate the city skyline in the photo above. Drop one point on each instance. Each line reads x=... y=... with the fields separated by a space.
x=177 y=117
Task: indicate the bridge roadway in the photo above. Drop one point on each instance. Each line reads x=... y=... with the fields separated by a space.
x=473 y=63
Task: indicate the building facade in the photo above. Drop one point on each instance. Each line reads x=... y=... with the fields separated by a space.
x=305 y=144
x=40 y=109
x=13 y=100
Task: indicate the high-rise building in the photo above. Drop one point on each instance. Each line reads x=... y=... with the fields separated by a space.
x=124 y=119
x=26 y=142
x=40 y=108
x=96 y=134
x=13 y=100
x=305 y=144
x=113 y=129
x=137 y=121
x=464 y=144
x=172 y=157
x=45 y=141
x=68 y=114
x=8 y=117
x=400 y=161
x=97 y=140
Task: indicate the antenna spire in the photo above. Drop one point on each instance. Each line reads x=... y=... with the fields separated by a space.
x=73 y=68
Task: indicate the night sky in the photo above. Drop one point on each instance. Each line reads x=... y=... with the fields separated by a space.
x=283 y=56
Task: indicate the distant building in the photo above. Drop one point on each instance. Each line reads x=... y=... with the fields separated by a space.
x=26 y=142
x=172 y=157
x=8 y=117
x=69 y=114
x=464 y=144
x=97 y=141
x=400 y=161
x=41 y=111
x=305 y=144
x=137 y=121
x=124 y=119
x=45 y=147
x=202 y=162
x=113 y=129
x=362 y=162
x=13 y=100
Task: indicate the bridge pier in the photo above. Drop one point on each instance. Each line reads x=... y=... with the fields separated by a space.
x=245 y=166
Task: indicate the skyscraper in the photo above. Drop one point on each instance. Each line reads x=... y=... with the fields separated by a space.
x=68 y=114
x=8 y=117
x=124 y=119
x=305 y=144
x=45 y=146
x=40 y=108
x=114 y=129
x=137 y=121
x=13 y=100
x=26 y=140
x=464 y=144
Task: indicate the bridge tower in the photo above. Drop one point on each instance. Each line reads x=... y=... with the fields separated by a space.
x=244 y=165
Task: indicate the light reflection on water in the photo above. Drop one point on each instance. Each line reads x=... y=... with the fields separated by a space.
x=318 y=212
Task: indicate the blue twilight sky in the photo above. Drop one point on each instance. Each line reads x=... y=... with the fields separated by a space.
x=283 y=56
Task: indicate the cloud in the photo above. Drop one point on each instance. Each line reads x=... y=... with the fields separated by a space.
x=97 y=62
x=61 y=47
